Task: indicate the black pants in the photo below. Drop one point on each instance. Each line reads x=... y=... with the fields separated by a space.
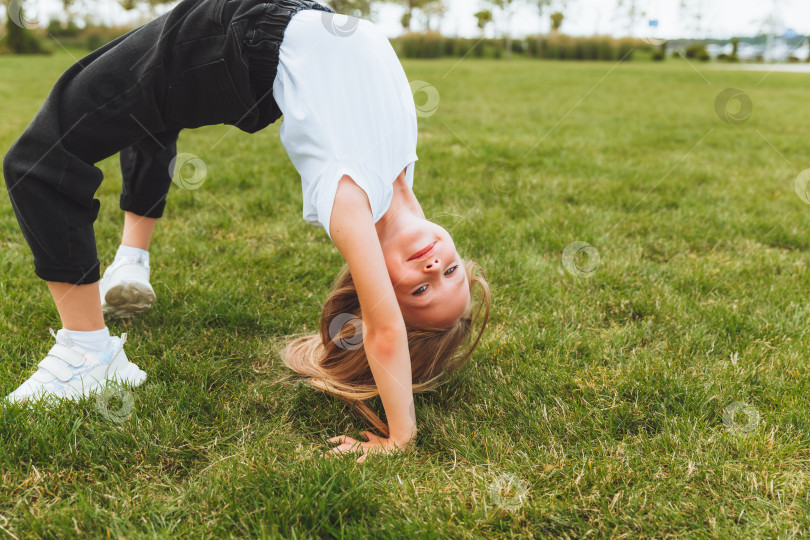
x=204 y=62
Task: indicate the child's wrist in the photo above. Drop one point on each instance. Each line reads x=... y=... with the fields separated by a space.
x=405 y=438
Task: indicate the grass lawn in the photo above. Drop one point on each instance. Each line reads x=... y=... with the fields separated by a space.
x=594 y=406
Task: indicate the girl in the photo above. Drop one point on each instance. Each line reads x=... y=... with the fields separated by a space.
x=349 y=128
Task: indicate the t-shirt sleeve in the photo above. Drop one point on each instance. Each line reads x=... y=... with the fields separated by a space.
x=379 y=191
x=327 y=188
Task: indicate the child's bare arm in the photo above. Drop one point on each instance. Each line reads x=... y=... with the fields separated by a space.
x=384 y=336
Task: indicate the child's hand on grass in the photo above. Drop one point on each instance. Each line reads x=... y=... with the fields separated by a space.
x=374 y=444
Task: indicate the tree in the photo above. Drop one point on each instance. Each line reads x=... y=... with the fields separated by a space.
x=433 y=9
x=69 y=7
x=505 y=7
x=355 y=8
x=150 y=5
x=410 y=6
x=543 y=5
x=556 y=21
x=19 y=39
x=405 y=21
x=484 y=18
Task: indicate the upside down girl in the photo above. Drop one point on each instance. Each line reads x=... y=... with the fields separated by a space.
x=349 y=127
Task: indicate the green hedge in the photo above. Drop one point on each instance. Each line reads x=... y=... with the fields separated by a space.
x=56 y=35
x=559 y=47
x=435 y=45
x=563 y=47
x=18 y=40
x=90 y=37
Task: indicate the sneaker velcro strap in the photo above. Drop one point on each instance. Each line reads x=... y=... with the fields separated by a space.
x=57 y=367
x=64 y=353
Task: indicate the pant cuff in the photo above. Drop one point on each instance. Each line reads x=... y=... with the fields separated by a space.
x=76 y=276
x=142 y=206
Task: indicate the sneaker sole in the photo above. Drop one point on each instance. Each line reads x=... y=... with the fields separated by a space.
x=128 y=374
x=127 y=299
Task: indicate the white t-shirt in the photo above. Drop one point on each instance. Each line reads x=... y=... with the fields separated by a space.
x=348 y=109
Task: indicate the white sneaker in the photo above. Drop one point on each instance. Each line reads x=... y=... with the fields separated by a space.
x=125 y=288
x=71 y=372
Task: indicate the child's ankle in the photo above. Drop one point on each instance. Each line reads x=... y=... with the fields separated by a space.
x=128 y=251
x=96 y=340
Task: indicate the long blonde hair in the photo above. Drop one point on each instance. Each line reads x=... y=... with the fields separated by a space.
x=334 y=361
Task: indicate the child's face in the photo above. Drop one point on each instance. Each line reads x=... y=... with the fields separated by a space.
x=431 y=286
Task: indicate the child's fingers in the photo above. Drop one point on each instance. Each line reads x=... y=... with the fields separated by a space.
x=336 y=451
x=347 y=444
x=342 y=439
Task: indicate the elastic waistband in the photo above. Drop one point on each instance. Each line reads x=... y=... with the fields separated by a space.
x=263 y=40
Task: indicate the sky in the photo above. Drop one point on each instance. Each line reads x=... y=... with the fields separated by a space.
x=709 y=18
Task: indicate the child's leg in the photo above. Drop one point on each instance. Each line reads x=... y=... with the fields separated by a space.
x=149 y=84
x=78 y=306
x=146 y=182
x=138 y=231
x=101 y=104
x=106 y=102
x=96 y=108
x=125 y=287
x=186 y=68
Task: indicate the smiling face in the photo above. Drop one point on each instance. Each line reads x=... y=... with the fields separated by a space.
x=427 y=273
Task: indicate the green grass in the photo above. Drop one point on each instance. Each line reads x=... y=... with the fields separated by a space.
x=604 y=396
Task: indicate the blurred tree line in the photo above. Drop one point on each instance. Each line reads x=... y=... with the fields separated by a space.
x=425 y=14
x=21 y=39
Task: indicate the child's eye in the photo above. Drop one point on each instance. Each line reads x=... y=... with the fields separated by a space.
x=423 y=288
